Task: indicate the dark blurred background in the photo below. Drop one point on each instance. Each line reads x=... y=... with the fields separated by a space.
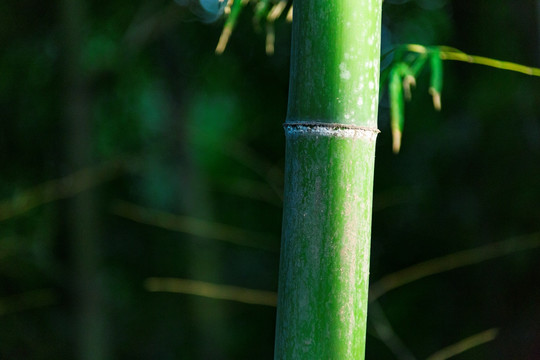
x=129 y=151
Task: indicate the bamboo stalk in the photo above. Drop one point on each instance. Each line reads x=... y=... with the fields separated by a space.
x=330 y=147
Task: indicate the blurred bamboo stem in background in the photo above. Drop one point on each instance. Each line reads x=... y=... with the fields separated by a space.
x=81 y=214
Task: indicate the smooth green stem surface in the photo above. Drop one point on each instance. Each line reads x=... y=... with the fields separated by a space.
x=324 y=270
x=330 y=149
x=335 y=62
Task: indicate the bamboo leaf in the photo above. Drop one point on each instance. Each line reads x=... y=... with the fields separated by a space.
x=436 y=55
x=396 y=106
x=272 y=16
x=436 y=84
x=230 y=23
x=261 y=12
x=276 y=10
x=290 y=14
x=409 y=80
x=418 y=64
x=450 y=53
x=270 y=38
x=384 y=77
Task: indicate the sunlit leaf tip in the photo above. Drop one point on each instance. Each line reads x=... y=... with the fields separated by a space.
x=396 y=105
x=270 y=38
x=290 y=14
x=436 y=98
x=274 y=13
x=223 y=40
x=230 y=23
x=408 y=82
x=396 y=140
x=261 y=11
x=436 y=82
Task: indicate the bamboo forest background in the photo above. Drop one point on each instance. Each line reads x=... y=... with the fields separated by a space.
x=130 y=152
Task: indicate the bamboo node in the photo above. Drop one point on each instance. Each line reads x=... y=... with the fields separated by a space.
x=330 y=130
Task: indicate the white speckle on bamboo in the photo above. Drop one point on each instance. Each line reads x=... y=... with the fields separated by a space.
x=344 y=73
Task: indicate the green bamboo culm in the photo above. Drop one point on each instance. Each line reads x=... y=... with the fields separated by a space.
x=330 y=130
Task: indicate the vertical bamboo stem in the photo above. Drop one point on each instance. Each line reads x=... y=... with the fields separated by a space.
x=83 y=211
x=330 y=148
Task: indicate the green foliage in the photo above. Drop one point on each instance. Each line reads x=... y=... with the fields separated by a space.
x=409 y=60
x=264 y=12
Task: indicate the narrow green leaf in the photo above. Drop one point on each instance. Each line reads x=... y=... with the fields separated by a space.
x=276 y=10
x=418 y=64
x=273 y=14
x=396 y=107
x=435 y=88
x=384 y=77
x=409 y=80
x=270 y=38
x=228 y=28
x=261 y=11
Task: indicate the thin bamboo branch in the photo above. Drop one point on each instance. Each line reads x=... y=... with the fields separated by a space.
x=381 y=324
x=465 y=344
x=249 y=158
x=386 y=333
x=447 y=53
x=146 y=27
x=194 y=226
x=212 y=291
x=61 y=188
x=251 y=189
x=27 y=300
x=451 y=262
